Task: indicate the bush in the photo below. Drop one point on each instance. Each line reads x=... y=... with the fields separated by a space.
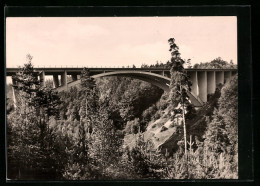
x=9 y=105
x=163 y=129
x=148 y=113
x=172 y=125
x=157 y=115
x=132 y=127
x=163 y=103
x=154 y=125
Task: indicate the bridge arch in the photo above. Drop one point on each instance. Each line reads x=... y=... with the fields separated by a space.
x=155 y=79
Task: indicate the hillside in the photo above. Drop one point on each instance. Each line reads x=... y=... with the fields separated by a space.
x=165 y=133
x=214 y=137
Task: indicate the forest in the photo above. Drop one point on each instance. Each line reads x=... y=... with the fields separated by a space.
x=118 y=128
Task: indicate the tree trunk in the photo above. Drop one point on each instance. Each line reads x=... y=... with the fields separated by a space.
x=184 y=130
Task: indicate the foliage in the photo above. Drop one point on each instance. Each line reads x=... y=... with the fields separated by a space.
x=9 y=105
x=105 y=142
x=217 y=63
x=32 y=145
x=149 y=113
x=217 y=156
x=143 y=161
x=132 y=127
x=222 y=132
x=180 y=85
x=125 y=101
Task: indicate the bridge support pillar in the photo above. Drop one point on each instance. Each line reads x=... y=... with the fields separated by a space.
x=211 y=82
x=64 y=78
x=227 y=76
x=74 y=77
x=162 y=73
x=14 y=96
x=220 y=78
x=55 y=81
x=42 y=78
x=194 y=79
x=202 y=83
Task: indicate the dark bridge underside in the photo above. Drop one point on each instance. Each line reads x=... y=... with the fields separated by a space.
x=155 y=79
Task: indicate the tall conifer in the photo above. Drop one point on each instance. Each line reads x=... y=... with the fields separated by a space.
x=180 y=85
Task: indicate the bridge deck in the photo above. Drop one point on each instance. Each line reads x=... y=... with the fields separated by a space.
x=76 y=70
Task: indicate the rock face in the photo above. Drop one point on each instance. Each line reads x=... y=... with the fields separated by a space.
x=166 y=132
x=161 y=131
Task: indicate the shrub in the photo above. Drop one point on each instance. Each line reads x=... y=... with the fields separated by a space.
x=157 y=115
x=163 y=129
x=154 y=125
x=132 y=127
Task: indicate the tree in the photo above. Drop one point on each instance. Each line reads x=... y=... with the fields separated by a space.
x=33 y=139
x=26 y=84
x=90 y=92
x=105 y=147
x=88 y=107
x=180 y=85
x=188 y=63
x=217 y=63
x=221 y=136
x=35 y=102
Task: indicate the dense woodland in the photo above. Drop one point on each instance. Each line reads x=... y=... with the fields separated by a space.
x=104 y=129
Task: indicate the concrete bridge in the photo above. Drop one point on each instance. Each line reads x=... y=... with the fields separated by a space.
x=204 y=81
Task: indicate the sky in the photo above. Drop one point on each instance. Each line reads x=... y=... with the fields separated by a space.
x=117 y=41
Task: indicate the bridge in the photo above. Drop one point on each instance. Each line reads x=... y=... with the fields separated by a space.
x=204 y=81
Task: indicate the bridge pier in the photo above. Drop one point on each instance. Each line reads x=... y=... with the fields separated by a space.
x=42 y=79
x=162 y=73
x=55 y=81
x=202 y=83
x=220 y=78
x=14 y=97
x=64 y=79
x=74 y=77
x=194 y=79
x=227 y=76
x=211 y=82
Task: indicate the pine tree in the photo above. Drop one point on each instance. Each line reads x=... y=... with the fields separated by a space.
x=90 y=92
x=35 y=107
x=180 y=85
x=221 y=136
x=105 y=148
x=26 y=85
x=88 y=108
